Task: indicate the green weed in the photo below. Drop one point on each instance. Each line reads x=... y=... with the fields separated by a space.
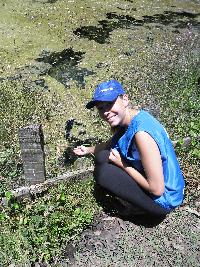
x=39 y=230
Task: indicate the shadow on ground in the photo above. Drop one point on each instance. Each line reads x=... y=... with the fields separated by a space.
x=114 y=207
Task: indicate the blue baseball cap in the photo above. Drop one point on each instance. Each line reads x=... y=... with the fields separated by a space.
x=106 y=91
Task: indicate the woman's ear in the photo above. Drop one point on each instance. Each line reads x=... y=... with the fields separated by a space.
x=125 y=100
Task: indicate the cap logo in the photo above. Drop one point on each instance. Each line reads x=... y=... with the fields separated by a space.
x=107 y=89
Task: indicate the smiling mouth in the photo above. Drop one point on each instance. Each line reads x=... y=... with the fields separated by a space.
x=110 y=119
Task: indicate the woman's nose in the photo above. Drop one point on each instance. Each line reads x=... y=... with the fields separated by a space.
x=106 y=112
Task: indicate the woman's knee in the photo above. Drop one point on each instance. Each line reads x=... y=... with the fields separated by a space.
x=102 y=172
x=102 y=157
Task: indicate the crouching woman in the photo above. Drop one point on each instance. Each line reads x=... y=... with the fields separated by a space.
x=138 y=164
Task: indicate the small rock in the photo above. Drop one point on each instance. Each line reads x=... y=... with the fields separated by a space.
x=40 y=82
x=97 y=232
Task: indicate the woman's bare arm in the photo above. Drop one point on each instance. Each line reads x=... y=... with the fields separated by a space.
x=151 y=161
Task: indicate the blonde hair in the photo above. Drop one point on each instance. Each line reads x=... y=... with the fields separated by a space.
x=130 y=105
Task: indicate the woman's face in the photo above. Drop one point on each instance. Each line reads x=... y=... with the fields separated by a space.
x=114 y=112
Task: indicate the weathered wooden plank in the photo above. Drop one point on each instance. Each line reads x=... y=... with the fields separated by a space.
x=26 y=191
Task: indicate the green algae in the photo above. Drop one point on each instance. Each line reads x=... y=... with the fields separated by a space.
x=28 y=27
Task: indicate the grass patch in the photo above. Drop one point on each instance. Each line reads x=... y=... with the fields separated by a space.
x=39 y=230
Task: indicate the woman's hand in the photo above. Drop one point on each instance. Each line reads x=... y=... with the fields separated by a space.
x=81 y=150
x=116 y=158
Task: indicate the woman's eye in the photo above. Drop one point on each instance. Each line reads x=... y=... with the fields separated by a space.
x=108 y=106
x=101 y=108
x=105 y=107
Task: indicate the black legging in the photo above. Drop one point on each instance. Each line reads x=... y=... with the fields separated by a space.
x=119 y=183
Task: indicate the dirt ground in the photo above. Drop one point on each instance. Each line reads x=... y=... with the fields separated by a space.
x=114 y=241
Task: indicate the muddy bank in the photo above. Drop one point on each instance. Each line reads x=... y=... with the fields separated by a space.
x=112 y=241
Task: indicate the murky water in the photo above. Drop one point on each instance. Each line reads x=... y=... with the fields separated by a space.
x=101 y=33
x=62 y=26
x=73 y=45
x=64 y=66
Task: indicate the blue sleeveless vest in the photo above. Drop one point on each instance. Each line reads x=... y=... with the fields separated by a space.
x=173 y=178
